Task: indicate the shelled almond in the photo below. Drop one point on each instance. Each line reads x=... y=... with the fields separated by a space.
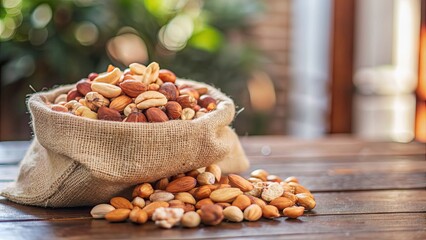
x=203 y=196
x=138 y=94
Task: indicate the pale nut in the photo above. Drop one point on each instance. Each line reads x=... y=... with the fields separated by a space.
x=260 y=173
x=120 y=202
x=129 y=109
x=58 y=108
x=72 y=105
x=257 y=189
x=88 y=104
x=167 y=217
x=300 y=189
x=291 y=179
x=161 y=196
x=190 y=219
x=211 y=214
x=190 y=91
x=233 y=214
x=242 y=202
x=225 y=194
x=144 y=190
x=239 y=182
x=199 y=114
x=139 y=202
x=109 y=77
x=151 y=73
x=293 y=212
x=153 y=87
x=150 y=99
x=205 y=178
x=253 y=213
x=273 y=178
x=137 y=68
x=100 y=210
x=272 y=191
x=138 y=216
x=106 y=89
x=187 y=114
x=97 y=99
x=215 y=170
x=270 y=212
x=306 y=201
x=120 y=102
x=85 y=112
x=185 y=197
x=118 y=215
x=60 y=98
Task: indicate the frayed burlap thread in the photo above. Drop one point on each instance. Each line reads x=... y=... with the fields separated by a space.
x=74 y=161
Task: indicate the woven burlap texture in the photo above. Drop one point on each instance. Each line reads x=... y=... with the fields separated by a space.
x=74 y=161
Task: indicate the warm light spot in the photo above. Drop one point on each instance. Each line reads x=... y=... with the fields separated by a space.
x=176 y=33
x=86 y=33
x=262 y=92
x=421 y=121
x=127 y=48
x=41 y=15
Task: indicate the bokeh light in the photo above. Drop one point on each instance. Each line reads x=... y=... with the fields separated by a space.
x=41 y=15
x=127 y=48
x=86 y=33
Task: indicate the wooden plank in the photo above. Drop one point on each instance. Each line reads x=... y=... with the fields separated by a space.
x=12 y=152
x=348 y=224
x=327 y=204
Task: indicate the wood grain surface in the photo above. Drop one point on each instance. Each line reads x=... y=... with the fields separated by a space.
x=363 y=190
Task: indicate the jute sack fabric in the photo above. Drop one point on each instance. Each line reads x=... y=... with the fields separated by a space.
x=74 y=161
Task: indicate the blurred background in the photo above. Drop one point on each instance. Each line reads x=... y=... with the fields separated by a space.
x=304 y=68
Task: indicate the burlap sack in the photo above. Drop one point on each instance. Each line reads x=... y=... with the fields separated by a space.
x=74 y=161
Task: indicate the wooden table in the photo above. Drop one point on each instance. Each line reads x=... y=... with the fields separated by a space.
x=363 y=190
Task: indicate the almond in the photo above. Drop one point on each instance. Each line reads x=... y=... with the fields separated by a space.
x=133 y=88
x=120 y=102
x=105 y=113
x=253 y=213
x=257 y=201
x=176 y=204
x=202 y=192
x=185 y=197
x=120 y=202
x=225 y=194
x=161 y=196
x=293 y=212
x=205 y=201
x=118 y=215
x=240 y=182
x=282 y=202
x=242 y=202
x=205 y=178
x=162 y=184
x=138 y=215
x=150 y=208
x=182 y=184
x=290 y=196
x=270 y=211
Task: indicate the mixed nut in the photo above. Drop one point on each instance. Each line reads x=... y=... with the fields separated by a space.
x=138 y=94
x=204 y=196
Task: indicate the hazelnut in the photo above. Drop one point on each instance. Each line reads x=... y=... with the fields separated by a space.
x=136 y=117
x=156 y=115
x=109 y=114
x=186 y=101
x=173 y=110
x=167 y=76
x=207 y=102
x=169 y=90
x=211 y=214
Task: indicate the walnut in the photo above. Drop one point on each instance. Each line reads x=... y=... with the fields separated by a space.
x=167 y=217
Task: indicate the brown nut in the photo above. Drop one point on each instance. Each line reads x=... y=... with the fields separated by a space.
x=150 y=99
x=306 y=201
x=182 y=184
x=223 y=204
x=136 y=117
x=190 y=219
x=186 y=101
x=153 y=87
x=300 y=189
x=253 y=213
x=207 y=102
x=144 y=190
x=73 y=94
x=173 y=110
x=242 y=202
x=58 y=108
x=191 y=92
x=118 y=215
x=282 y=202
x=105 y=113
x=92 y=76
x=120 y=202
x=189 y=207
x=169 y=90
x=290 y=196
x=202 y=192
x=120 y=102
x=83 y=86
x=156 y=115
x=185 y=197
x=225 y=194
x=239 y=182
x=202 y=90
x=133 y=87
x=176 y=204
x=138 y=216
x=270 y=211
x=293 y=212
x=162 y=184
x=211 y=215
x=150 y=208
x=202 y=202
x=215 y=170
x=167 y=76
x=257 y=201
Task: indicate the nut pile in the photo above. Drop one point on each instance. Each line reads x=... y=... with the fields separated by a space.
x=138 y=94
x=205 y=196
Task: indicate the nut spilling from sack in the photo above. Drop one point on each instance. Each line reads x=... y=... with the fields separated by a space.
x=205 y=196
x=138 y=94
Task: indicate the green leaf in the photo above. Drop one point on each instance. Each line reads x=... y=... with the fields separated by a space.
x=208 y=39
